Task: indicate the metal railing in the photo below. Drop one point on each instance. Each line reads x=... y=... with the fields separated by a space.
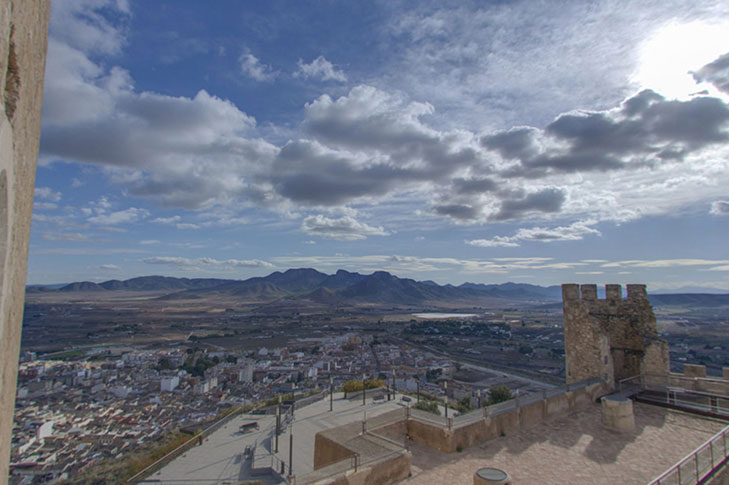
x=157 y=465
x=699 y=464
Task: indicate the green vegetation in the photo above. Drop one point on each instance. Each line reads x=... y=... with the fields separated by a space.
x=354 y=386
x=199 y=366
x=432 y=375
x=499 y=394
x=463 y=406
x=428 y=406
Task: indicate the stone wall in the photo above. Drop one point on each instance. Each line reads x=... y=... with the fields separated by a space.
x=23 y=34
x=494 y=425
x=611 y=338
x=328 y=450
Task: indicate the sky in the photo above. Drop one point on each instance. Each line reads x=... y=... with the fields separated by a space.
x=534 y=142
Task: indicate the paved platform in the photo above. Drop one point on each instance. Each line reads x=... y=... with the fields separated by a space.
x=575 y=449
x=221 y=458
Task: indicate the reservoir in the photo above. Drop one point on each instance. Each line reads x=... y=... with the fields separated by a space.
x=444 y=315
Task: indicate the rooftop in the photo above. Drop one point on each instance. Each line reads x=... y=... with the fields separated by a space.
x=575 y=448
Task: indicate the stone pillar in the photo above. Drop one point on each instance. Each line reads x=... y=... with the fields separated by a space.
x=23 y=34
x=617 y=413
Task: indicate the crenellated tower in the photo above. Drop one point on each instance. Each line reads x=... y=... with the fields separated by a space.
x=611 y=338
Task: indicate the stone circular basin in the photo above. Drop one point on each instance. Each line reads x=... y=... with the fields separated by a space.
x=490 y=476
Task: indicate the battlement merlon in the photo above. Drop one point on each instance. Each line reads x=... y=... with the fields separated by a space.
x=637 y=292
x=575 y=292
x=613 y=292
x=570 y=291
x=588 y=292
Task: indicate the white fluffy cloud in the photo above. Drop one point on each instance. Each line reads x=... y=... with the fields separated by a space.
x=646 y=155
x=344 y=228
x=126 y=216
x=320 y=68
x=252 y=67
x=202 y=262
x=573 y=232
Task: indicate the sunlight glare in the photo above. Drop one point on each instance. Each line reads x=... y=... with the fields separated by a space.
x=668 y=57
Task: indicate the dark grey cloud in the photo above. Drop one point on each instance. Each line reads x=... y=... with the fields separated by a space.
x=457 y=211
x=716 y=73
x=548 y=200
x=517 y=143
x=307 y=172
x=474 y=185
x=720 y=207
x=646 y=130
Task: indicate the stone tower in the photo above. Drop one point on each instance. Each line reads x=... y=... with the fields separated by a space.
x=612 y=338
x=23 y=34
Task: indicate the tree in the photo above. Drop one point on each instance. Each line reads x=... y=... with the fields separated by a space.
x=499 y=394
x=525 y=349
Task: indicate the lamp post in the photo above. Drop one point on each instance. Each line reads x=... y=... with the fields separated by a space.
x=363 y=389
x=278 y=422
x=417 y=388
x=293 y=398
x=446 y=399
x=291 y=451
x=394 y=386
x=331 y=392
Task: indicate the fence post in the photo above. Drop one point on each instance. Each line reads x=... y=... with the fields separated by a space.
x=696 y=461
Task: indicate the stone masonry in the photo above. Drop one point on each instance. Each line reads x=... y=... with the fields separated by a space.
x=612 y=338
x=23 y=33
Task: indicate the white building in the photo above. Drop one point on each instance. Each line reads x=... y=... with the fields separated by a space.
x=168 y=384
x=246 y=373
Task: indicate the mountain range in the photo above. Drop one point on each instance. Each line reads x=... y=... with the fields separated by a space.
x=306 y=283
x=346 y=287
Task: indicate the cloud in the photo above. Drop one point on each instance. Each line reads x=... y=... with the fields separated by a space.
x=126 y=216
x=109 y=267
x=720 y=207
x=716 y=72
x=187 y=226
x=377 y=146
x=46 y=193
x=344 y=228
x=65 y=236
x=252 y=67
x=44 y=206
x=197 y=262
x=147 y=242
x=665 y=263
x=545 y=200
x=646 y=130
x=167 y=220
x=574 y=232
x=319 y=68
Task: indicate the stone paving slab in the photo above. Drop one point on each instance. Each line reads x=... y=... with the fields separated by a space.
x=575 y=449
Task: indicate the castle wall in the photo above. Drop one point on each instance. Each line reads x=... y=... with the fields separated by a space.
x=611 y=338
x=23 y=34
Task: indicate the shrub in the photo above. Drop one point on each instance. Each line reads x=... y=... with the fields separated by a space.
x=428 y=406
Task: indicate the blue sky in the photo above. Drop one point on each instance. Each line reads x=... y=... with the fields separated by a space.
x=538 y=142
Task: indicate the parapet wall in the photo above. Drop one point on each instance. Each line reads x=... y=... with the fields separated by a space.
x=446 y=435
x=495 y=424
x=611 y=338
